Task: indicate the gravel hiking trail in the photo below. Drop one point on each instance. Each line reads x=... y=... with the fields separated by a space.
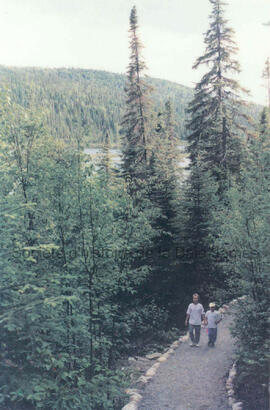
x=193 y=378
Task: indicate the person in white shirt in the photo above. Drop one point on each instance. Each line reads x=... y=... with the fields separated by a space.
x=195 y=315
x=212 y=318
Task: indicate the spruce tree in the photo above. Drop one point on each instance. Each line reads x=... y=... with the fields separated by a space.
x=200 y=200
x=264 y=122
x=164 y=187
x=215 y=145
x=136 y=130
x=216 y=111
x=105 y=166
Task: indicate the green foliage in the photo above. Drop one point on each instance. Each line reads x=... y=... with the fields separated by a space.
x=164 y=193
x=68 y=241
x=150 y=167
x=136 y=125
x=216 y=110
x=216 y=143
x=244 y=241
x=77 y=291
x=89 y=99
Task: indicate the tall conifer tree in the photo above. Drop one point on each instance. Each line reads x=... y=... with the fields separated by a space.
x=216 y=111
x=164 y=184
x=136 y=122
x=215 y=144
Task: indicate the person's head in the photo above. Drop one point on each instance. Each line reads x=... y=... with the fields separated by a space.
x=195 y=297
x=212 y=306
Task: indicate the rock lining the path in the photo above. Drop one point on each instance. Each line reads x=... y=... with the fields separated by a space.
x=235 y=405
x=136 y=394
x=153 y=356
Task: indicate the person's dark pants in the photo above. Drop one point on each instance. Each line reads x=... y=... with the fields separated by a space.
x=212 y=335
x=197 y=328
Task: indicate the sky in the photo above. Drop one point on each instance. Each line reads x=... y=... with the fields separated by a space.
x=94 y=34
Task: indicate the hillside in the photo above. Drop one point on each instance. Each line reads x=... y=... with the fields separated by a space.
x=88 y=101
x=134 y=217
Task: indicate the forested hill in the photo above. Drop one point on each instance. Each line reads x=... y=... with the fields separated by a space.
x=89 y=101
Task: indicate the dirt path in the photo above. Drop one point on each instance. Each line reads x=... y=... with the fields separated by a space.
x=193 y=378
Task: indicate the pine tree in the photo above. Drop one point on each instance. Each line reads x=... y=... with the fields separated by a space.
x=136 y=129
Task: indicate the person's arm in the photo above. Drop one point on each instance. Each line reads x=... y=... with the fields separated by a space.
x=205 y=319
x=188 y=315
x=203 y=314
x=219 y=319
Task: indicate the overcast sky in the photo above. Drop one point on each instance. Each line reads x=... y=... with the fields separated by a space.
x=93 y=34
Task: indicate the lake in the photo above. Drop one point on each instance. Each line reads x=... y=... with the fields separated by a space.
x=116 y=155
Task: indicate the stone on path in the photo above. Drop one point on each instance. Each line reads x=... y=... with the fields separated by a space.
x=153 y=356
x=193 y=378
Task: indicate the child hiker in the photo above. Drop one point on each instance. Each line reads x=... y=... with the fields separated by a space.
x=212 y=318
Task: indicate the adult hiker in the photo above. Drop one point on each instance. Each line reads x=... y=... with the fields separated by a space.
x=195 y=315
x=212 y=318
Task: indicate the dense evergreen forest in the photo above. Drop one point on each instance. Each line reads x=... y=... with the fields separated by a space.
x=94 y=99
x=98 y=262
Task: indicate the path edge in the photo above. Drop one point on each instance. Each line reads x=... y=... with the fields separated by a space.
x=136 y=394
x=232 y=400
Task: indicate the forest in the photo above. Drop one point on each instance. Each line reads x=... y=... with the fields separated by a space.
x=99 y=262
x=94 y=98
